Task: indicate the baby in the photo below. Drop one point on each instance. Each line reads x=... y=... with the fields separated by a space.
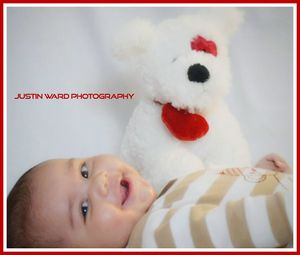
x=93 y=202
x=103 y=202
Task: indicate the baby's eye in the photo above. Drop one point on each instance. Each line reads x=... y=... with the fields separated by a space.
x=84 y=209
x=84 y=171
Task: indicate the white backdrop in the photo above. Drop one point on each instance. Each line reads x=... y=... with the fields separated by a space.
x=66 y=50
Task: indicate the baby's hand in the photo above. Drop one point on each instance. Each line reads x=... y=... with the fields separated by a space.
x=274 y=162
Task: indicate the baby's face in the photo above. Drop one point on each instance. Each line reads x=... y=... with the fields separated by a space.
x=93 y=202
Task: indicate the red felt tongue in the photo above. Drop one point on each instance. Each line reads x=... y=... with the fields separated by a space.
x=182 y=124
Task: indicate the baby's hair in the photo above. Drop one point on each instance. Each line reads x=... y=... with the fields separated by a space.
x=18 y=213
x=23 y=227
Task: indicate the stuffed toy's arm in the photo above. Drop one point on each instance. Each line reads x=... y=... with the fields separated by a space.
x=261 y=221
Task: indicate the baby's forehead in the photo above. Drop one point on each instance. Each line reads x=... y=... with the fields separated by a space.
x=53 y=162
x=51 y=171
x=50 y=188
x=50 y=167
x=50 y=183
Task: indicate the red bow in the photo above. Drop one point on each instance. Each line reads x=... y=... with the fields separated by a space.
x=201 y=44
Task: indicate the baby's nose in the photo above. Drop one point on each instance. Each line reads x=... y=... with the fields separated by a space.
x=198 y=73
x=99 y=184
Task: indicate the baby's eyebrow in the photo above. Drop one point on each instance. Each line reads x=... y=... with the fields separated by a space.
x=70 y=168
x=71 y=164
x=70 y=213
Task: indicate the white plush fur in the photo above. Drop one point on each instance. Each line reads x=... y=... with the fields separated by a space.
x=161 y=55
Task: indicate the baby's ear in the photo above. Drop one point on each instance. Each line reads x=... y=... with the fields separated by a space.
x=134 y=39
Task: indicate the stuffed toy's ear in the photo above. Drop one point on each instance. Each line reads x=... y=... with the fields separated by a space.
x=134 y=39
x=228 y=19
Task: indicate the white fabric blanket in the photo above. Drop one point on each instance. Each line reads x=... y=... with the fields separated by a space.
x=68 y=50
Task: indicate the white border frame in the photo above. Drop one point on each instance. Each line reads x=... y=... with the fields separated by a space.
x=294 y=6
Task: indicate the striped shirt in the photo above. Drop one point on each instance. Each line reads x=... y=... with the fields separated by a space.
x=245 y=208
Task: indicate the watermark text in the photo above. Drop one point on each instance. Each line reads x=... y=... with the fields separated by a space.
x=74 y=96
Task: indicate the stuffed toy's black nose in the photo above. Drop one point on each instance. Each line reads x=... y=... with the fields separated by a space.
x=198 y=73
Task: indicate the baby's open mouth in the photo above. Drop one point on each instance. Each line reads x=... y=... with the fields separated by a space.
x=124 y=184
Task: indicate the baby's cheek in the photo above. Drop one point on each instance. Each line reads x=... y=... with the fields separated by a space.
x=105 y=216
x=121 y=223
x=109 y=217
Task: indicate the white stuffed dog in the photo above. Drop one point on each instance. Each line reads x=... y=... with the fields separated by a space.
x=183 y=124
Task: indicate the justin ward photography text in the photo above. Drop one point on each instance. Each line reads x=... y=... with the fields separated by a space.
x=74 y=96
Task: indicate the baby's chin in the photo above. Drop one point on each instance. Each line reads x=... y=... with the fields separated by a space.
x=147 y=194
x=146 y=198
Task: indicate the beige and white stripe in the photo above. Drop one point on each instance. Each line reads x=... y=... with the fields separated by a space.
x=181 y=188
x=211 y=210
x=196 y=189
x=279 y=219
x=218 y=228
x=153 y=222
x=255 y=206
x=199 y=229
x=237 y=224
x=180 y=227
x=268 y=186
x=163 y=234
x=288 y=205
x=286 y=183
x=136 y=238
x=213 y=194
x=239 y=189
